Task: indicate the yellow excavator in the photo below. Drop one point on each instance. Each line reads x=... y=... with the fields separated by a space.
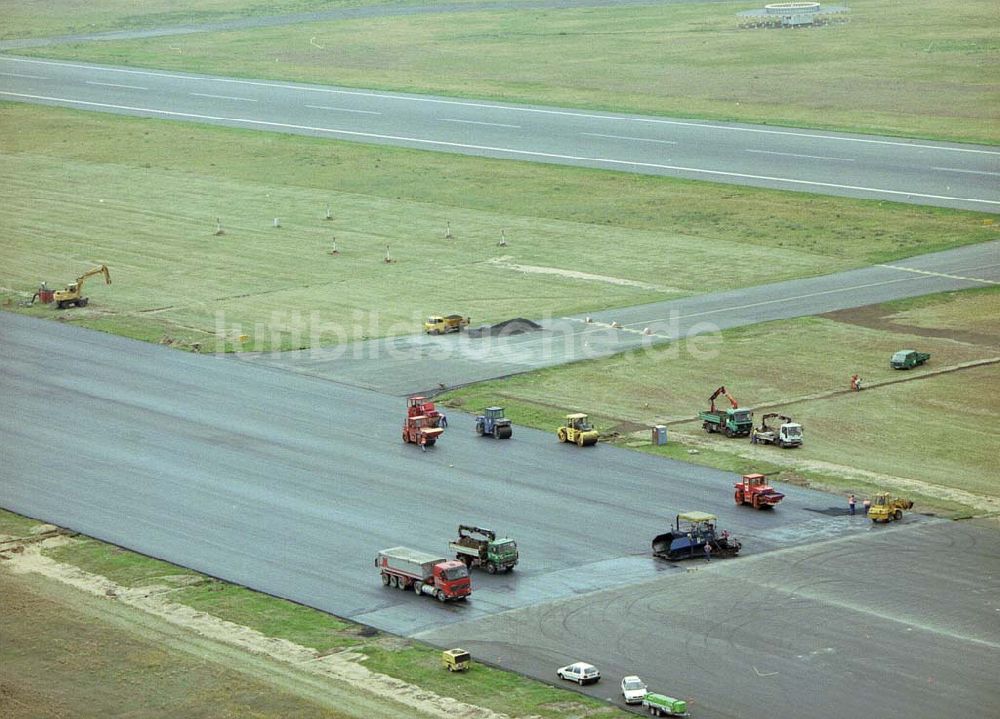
x=73 y=294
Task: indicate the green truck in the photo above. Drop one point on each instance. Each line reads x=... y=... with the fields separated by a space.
x=908 y=359
x=481 y=547
x=661 y=705
x=732 y=422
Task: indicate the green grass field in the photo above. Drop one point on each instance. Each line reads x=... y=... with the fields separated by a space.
x=929 y=69
x=936 y=429
x=65 y=17
x=143 y=196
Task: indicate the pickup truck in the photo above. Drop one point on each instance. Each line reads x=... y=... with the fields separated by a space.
x=908 y=359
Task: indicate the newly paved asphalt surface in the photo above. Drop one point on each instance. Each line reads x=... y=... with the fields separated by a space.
x=421 y=363
x=290 y=484
x=863 y=166
x=882 y=624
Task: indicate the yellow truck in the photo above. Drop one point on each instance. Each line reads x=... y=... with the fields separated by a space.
x=438 y=325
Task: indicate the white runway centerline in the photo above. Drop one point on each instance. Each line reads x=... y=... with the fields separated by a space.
x=477 y=122
x=967 y=172
x=21 y=74
x=224 y=97
x=343 y=109
x=114 y=84
x=625 y=137
x=807 y=157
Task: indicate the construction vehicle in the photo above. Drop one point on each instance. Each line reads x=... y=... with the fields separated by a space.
x=481 y=547
x=492 y=421
x=421 y=431
x=456 y=660
x=908 y=359
x=886 y=508
x=577 y=429
x=73 y=294
x=785 y=434
x=754 y=490
x=732 y=422
x=405 y=568
x=422 y=425
x=438 y=325
x=690 y=540
x=660 y=705
x=419 y=406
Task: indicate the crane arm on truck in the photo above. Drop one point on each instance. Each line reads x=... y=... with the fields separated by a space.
x=467 y=530
x=721 y=391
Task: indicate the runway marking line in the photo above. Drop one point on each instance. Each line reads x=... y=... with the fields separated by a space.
x=343 y=109
x=21 y=74
x=491 y=106
x=114 y=84
x=807 y=157
x=967 y=172
x=488 y=148
x=625 y=137
x=205 y=94
x=478 y=122
x=940 y=274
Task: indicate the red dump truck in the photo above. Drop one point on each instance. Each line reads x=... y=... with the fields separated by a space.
x=405 y=568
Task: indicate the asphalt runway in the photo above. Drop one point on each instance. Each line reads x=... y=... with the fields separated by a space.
x=895 y=621
x=290 y=484
x=402 y=365
x=860 y=166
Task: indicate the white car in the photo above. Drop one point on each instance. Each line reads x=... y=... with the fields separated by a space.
x=633 y=689
x=580 y=672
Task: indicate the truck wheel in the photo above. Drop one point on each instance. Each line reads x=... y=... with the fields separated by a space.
x=738 y=497
x=385 y=580
x=491 y=568
x=562 y=435
x=728 y=432
x=440 y=596
x=897 y=515
x=756 y=501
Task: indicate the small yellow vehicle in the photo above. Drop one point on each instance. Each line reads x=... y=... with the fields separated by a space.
x=885 y=507
x=578 y=430
x=455 y=660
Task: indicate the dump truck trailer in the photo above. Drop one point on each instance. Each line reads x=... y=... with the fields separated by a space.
x=405 y=568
